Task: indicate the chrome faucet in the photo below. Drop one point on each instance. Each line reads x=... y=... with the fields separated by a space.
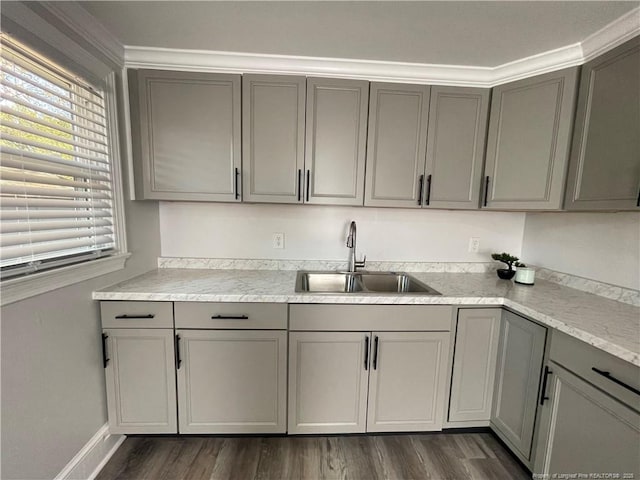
x=354 y=265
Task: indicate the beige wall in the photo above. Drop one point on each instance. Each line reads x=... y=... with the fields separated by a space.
x=599 y=246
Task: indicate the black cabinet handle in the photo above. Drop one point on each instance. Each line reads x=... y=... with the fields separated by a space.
x=638 y=202
x=543 y=395
x=486 y=191
x=420 y=184
x=236 y=184
x=105 y=359
x=428 y=199
x=375 y=353
x=230 y=317
x=308 y=174
x=178 y=359
x=299 y=184
x=607 y=375
x=125 y=316
x=366 y=352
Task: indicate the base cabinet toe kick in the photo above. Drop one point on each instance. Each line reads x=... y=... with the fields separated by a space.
x=559 y=404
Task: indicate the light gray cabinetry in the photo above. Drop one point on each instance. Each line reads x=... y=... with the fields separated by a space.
x=589 y=423
x=474 y=365
x=455 y=147
x=336 y=134
x=604 y=171
x=273 y=138
x=517 y=378
x=231 y=367
x=396 y=144
x=186 y=134
x=138 y=355
x=528 y=142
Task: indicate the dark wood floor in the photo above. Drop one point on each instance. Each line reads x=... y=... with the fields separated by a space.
x=453 y=456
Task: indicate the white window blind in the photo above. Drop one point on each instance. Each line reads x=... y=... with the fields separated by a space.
x=55 y=173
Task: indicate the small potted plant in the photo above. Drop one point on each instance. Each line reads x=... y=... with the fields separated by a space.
x=510 y=261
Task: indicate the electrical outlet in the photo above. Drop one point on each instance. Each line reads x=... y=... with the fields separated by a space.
x=278 y=240
x=474 y=244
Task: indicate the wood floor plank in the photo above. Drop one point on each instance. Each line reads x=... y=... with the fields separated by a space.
x=382 y=457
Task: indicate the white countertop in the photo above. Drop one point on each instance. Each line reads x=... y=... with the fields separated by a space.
x=606 y=324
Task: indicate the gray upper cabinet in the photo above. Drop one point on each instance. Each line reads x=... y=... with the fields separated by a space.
x=186 y=132
x=336 y=133
x=273 y=138
x=455 y=147
x=604 y=172
x=396 y=144
x=528 y=143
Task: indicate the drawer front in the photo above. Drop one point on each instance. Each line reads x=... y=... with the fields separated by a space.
x=370 y=317
x=580 y=358
x=137 y=314
x=235 y=316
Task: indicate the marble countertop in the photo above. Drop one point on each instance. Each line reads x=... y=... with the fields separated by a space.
x=606 y=324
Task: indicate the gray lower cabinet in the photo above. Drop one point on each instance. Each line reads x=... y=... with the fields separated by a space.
x=140 y=379
x=273 y=119
x=474 y=365
x=232 y=381
x=528 y=142
x=455 y=147
x=518 y=370
x=396 y=145
x=590 y=413
x=604 y=171
x=336 y=137
x=186 y=134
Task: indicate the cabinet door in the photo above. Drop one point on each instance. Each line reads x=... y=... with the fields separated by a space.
x=328 y=381
x=519 y=364
x=455 y=147
x=336 y=132
x=528 y=143
x=586 y=430
x=273 y=138
x=396 y=145
x=604 y=172
x=408 y=377
x=474 y=364
x=189 y=134
x=232 y=381
x=141 y=381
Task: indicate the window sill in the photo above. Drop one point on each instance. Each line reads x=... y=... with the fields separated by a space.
x=17 y=289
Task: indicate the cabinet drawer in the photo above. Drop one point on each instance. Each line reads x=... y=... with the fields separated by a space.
x=137 y=314
x=580 y=358
x=236 y=316
x=370 y=317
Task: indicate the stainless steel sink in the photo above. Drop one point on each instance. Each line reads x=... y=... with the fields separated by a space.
x=361 y=282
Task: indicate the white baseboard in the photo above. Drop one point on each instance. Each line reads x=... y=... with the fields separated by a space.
x=88 y=462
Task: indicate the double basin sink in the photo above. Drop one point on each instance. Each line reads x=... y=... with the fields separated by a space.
x=361 y=282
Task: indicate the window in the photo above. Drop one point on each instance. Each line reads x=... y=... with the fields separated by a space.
x=56 y=189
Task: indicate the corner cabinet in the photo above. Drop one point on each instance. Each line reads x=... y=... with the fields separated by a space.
x=138 y=357
x=369 y=380
x=605 y=157
x=528 y=143
x=186 y=134
x=455 y=147
x=396 y=145
x=518 y=371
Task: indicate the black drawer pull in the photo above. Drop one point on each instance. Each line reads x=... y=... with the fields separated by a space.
x=428 y=199
x=608 y=376
x=299 y=185
x=178 y=359
x=230 y=317
x=105 y=359
x=486 y=191
x=375 y=353
x=420 y=185
x=236 y=184
x=543 y=395
x=308 y=185
x=366 y=352
x=125 y=316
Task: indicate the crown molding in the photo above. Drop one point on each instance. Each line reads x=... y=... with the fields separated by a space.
x=613 y=34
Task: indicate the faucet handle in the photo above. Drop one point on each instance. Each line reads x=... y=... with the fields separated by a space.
x=362 y=263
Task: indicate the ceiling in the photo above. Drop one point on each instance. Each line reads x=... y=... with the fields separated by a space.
x=477 y=33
